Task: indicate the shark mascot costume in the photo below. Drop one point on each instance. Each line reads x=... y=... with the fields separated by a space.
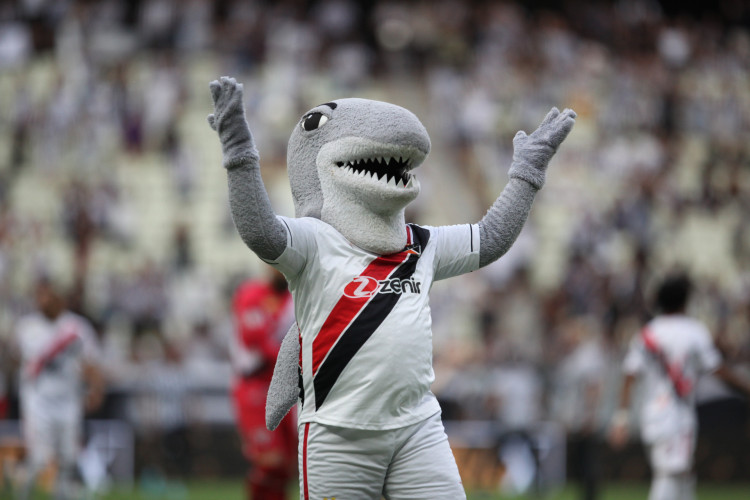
x=360 y=360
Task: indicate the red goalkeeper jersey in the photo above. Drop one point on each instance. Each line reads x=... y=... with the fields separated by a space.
x=262 y=315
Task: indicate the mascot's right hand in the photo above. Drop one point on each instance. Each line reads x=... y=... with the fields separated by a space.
x=532 y=153
x=228 y=119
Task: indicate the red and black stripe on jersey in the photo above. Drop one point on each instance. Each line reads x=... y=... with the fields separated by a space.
x=681 y=384
x=300 y=382
x=353 y=320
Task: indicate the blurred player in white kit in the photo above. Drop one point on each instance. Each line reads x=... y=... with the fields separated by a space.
x=669 y=355
x=59 y=380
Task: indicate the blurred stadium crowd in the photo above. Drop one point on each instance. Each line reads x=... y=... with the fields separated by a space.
x=111 y=180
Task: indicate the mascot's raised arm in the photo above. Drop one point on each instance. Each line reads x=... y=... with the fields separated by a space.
x=360 y=360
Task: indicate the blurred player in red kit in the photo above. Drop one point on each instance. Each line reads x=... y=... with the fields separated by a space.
x=263 y=312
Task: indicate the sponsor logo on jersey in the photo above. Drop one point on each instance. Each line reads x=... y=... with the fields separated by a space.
x=365 y=303
x=367 y=286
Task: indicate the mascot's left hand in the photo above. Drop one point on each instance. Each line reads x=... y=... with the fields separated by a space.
x=228 y=119
x=532 y=153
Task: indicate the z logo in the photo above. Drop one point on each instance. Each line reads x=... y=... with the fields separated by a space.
x=362 y=287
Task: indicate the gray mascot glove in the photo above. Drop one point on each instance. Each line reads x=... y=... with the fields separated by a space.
x=284 y=389
x=532 y=153
x=229 y=121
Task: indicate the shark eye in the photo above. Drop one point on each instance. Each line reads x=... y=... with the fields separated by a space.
x=311 y=121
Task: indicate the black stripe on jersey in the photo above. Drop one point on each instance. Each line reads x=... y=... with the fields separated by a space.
x=362 y=328
x=301 y=386
x=471 y=237
x=355 y=336
x=421 y=236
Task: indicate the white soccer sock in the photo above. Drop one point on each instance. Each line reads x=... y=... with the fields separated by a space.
x=63 y=482
x=29 y=482
x=672 y=487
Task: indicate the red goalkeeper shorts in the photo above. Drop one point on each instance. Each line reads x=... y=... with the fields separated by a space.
x=262 y=447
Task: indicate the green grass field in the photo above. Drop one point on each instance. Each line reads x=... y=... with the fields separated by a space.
x=232 y=490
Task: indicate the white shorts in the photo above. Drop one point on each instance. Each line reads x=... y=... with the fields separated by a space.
x=51 y=433
x=411 y=463
x=673 y=454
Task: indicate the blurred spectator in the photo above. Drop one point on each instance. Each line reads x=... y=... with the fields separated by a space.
x=578 y=385
x=163 y=405
x=143 y=298
x=128 y=107
x=181 y=164
x=182 y=259
x=204 y=350
x=4 y=363
x=20 y=126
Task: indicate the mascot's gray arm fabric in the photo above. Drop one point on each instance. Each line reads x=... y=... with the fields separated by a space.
x=500 y=227
x=251 y=209
x=361 y=129
x=503 y=222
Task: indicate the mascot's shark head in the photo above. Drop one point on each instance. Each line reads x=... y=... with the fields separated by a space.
x=350 y=163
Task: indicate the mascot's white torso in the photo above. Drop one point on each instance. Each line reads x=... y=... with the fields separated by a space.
x=360 y=276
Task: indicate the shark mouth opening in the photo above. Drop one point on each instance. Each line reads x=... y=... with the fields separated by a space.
x=394 y=171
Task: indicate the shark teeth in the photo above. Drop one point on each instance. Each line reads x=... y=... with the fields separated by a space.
x=390 y=170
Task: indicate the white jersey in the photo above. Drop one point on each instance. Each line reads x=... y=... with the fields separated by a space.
x=365 y=324
x=669 y=354
x=52 y=355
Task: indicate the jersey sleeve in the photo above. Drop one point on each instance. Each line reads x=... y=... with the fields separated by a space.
x=300 y=239
x=635 y=358
x=457 y=250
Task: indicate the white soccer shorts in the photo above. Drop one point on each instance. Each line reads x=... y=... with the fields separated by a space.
x=51 y=433
x=673 y=454
x=410 y=463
